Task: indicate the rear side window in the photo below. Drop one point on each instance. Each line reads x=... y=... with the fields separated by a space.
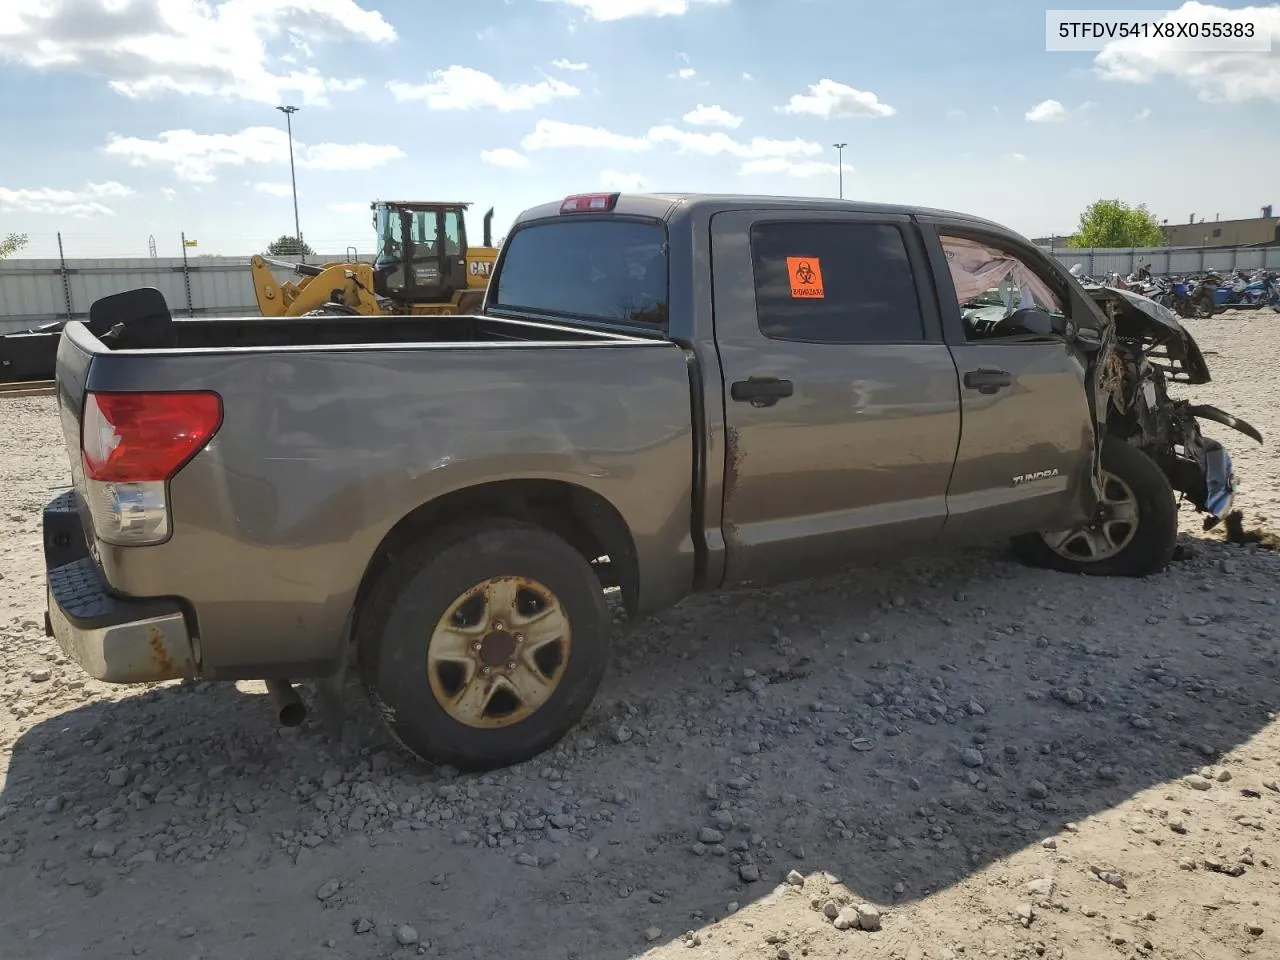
x=612 y=270
x=834 y=283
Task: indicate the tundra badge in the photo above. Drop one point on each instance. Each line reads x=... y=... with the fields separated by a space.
x=1032 y=477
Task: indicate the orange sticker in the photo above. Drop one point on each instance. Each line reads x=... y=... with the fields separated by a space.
x=806 y=278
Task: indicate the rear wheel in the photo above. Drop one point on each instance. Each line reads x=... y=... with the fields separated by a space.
x=483 y=645
x=1132 y=534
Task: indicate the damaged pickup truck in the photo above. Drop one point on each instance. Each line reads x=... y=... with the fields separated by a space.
x=662 y=394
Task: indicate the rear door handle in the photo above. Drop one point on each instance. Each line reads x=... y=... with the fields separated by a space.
x=761 y=391
x=987 y=381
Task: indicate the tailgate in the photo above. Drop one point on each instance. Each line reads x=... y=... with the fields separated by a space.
x=76 y=350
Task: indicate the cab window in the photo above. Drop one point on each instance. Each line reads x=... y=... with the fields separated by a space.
x=452 y=233
x=833 y=282
x=992 y=284
x=597 y=269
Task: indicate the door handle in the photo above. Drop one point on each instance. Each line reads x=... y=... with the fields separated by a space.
x=761 y=391
x=987 y=381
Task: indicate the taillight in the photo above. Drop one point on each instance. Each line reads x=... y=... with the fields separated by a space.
x=131 y=444
x=589 y=202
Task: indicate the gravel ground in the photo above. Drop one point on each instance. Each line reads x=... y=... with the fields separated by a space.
x=953 y=758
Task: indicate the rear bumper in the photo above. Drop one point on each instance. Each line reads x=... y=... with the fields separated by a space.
x=114 y=639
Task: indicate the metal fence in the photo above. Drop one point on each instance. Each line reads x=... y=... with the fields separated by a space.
x=1168 y=260
x=33 y=292
x=41 y=291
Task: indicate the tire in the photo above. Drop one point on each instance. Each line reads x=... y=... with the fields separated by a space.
x=417 y=666
x=1147 y=545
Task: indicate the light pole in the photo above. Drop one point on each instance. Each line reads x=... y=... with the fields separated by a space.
x=840 y=165
x=288 y=119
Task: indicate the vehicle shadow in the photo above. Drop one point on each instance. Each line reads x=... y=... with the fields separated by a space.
x=900 y=728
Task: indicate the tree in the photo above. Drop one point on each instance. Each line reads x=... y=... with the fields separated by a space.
x=1113 y=223
x=12 y=244
x=287 y=246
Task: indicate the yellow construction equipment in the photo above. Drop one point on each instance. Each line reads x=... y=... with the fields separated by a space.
x=423 y=265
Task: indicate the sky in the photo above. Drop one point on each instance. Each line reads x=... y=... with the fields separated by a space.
x=126 y=120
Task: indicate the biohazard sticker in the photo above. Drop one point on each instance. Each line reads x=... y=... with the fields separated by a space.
x=806 y=278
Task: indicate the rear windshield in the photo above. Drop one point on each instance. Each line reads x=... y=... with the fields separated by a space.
x=613 y=270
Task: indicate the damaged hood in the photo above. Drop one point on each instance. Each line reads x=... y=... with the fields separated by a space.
x=1138 y=313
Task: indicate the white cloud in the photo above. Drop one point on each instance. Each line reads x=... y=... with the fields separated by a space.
x=275 y=188
x=64 y=203
x=195 y=157
x=110 y=189
x=505 y=157
x=617 y=180
x=684 y=73
x=712 y=116
x=1047 y=111
x=1230 y=76
x=556 y=135
x=218 y=48
x=606 y=10
x=168 y=193
x=1142 y=114
x=348 y=156
x=747 y=76
x=829 y=99
x=719 y=144
x=464 y=88
x=955 y=113
x=792 y=168
x=1018 y=157
x=563 y=64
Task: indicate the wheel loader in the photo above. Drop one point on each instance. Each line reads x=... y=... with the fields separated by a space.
x=423 y=265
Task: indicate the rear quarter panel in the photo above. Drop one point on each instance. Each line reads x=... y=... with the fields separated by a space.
x=321 y=453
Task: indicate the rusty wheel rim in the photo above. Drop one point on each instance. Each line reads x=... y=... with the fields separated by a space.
x=499 y=652
x=1112 y=529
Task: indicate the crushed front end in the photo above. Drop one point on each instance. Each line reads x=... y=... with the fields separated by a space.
x=1152 y=350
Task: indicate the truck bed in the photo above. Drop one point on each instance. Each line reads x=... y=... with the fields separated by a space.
x=335 y=429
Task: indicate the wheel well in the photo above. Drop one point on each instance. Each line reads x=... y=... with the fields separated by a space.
x=583 y=518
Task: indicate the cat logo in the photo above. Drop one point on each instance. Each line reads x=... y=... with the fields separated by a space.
x=480 y=268
x=1032 y=477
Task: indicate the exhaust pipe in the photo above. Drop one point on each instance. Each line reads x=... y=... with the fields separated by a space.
x=488 y=228
x=290 y=709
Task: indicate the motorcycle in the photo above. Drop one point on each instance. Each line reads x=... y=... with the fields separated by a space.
x=1179 y=297
x=1204 y=295
x=1245 y=293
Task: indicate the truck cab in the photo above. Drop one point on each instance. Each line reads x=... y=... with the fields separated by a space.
x=870 y=404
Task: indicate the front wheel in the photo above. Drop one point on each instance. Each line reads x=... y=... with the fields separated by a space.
x=1132 y=534
x=483 y=646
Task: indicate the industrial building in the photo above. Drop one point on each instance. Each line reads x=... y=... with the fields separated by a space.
x=1262 y=231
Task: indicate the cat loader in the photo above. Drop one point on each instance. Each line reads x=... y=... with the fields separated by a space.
x=423 y=265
